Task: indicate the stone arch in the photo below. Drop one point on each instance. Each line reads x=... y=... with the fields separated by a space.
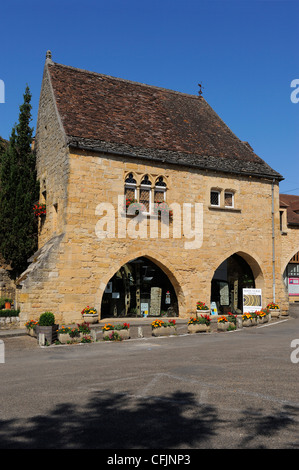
x=175 y=279
x=286 y=261
x=248 y=273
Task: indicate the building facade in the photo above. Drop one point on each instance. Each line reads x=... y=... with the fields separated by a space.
x=152 y=204
x=289 y=227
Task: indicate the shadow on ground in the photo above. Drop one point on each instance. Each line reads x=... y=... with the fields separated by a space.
x=116 y=421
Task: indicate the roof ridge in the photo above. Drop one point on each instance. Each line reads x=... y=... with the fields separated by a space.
x=133 y=82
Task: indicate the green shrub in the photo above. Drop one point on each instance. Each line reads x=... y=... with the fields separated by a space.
x=47 y=319
x=9 y=313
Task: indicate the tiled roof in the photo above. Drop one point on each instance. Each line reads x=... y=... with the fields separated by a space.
x=291 y=203
x=110 y=114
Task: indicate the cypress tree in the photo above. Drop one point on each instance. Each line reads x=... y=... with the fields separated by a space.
x=19 y=189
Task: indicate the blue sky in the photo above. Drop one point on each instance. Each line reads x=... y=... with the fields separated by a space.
x=245 y=54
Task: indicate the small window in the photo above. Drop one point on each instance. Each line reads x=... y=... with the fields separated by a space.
x=145 y=193
x=130 y=187
x=215 y=198
x=160 y=191
x=228 y=199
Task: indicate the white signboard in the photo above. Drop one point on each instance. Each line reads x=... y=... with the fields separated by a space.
x=252 y=300
x=214 y=310
x=294 y=285
x=144 y=309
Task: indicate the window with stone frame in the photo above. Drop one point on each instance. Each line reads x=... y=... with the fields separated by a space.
x=215 y=197
x=160 y=191
x=145 y=193
x=130 y=187
x=229 y=199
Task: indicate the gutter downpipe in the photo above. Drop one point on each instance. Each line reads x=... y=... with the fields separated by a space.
x=273 y=242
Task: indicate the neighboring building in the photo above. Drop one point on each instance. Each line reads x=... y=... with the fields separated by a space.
x=100 y=137
x=289 y=226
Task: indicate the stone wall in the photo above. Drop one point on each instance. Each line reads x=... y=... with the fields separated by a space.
x=75 y=272
x=52 y=164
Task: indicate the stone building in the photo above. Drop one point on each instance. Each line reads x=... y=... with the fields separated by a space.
x=102 y=141
x=289 y=227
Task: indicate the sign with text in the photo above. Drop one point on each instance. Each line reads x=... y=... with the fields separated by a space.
x=293 y=285
x=252 y=300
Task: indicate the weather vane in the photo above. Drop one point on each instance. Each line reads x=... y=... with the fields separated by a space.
x=200 y=89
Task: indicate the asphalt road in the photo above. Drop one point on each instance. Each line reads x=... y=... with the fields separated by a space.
x=232 y=390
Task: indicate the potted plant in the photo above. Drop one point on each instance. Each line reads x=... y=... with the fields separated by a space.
x=163 y=328
x=8 y=303
x=261 y=317
x=199 y=324
x=67 y=334
x=121 y=329
x=202 y=306
x=274 y=309
x=31 y=327
x=222 y=323
x=39 y=210
x=46 y=325
x=247 y=319
x=90 y=314
x=83 y=328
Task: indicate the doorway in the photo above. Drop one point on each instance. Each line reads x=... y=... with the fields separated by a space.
x=233 y=275
x=139 y=288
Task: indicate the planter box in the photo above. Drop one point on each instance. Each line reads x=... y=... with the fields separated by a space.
x=251 y=322
x=32 y=332
x=203 y=312
x=50 y=332
x=164 y=331
x=224 y=326
x=124 y=333
x=275 y=312
x=90 y=318
x=261 y=320
x=64 y=338
x=198 y=328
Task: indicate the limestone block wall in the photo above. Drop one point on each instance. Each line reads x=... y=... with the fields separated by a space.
x=52 y=163
x=84 y=262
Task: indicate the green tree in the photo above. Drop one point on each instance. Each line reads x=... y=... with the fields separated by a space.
x=19 y=189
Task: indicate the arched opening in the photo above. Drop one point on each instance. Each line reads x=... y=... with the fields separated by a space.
x=139 y=288
x=230 y=278
x=291 y=278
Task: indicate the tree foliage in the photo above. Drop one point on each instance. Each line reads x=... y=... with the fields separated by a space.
x=19 y=189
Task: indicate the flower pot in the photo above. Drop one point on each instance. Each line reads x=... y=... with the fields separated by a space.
x=50 y=332
x=64 y=338
x=222 y=326
x=164 y=331
x=261 y=320
x=123 y=333
x=7 y=305
x=203 y=312
x=275 y=312
x=249 y=322
x=198 y=328
x=90 y=317
x=31 y=332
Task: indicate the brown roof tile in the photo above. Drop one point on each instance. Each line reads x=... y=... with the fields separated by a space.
x=291 y=203
x=106 y=113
